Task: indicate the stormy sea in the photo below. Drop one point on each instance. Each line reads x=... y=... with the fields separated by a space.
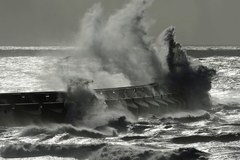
x=117 y=51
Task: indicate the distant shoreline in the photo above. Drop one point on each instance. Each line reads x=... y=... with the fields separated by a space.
x=209 y=51
x=194 y=51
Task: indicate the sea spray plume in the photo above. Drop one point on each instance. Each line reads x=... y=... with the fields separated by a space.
x=117 y=51
x=102 y=61
x=91 y=26
x=84 y=63
x=185 y=77
x=162 y=47
x=126 y=43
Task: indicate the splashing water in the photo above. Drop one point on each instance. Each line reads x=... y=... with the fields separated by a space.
x=117 y=51
x=87 y=108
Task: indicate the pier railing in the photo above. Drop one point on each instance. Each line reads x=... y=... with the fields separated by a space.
x=135 y=98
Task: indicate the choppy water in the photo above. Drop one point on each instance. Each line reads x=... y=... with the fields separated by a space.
x=197 y=134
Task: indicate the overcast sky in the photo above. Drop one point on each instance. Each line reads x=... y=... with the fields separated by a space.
x=55 y=22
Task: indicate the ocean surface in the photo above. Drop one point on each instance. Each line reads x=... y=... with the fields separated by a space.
x=195 y=134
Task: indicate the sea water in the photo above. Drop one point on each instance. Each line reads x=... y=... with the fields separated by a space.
x=197 y=134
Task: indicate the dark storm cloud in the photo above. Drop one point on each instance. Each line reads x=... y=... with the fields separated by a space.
x=56 y=22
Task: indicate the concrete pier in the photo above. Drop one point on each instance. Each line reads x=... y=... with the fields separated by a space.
x=145 y=99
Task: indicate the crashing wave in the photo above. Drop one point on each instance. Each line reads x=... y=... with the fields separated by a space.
x=118 y=51
x=185 y=76
x=97 y=151
x=225 y=137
